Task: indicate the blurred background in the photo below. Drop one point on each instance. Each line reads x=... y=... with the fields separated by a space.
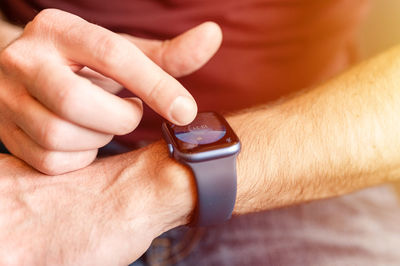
x=381 y=30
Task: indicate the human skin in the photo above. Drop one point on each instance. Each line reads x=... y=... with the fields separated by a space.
x=59 y=74
x=306 y=148
x=100 y=215
x=330 y=140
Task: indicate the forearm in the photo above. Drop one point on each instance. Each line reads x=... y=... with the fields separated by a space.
x=8 y=31
x=334 y=139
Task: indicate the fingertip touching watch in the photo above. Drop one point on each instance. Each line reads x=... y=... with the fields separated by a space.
x=209 y=147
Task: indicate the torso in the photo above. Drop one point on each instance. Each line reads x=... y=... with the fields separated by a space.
x=271 y=47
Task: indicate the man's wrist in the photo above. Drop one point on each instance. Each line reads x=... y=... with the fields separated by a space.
x=178 y=187
x=172 y=191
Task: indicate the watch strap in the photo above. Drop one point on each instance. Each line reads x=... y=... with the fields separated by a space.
x=216 y=190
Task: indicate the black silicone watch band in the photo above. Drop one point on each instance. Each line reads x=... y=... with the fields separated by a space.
x=216 y=190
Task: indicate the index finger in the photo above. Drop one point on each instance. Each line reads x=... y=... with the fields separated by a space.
x=119 y=59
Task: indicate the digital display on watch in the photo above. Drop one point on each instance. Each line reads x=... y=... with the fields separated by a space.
x=208 y=131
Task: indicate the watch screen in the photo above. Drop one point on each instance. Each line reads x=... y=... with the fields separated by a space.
x=208 y=130
x=205 y=129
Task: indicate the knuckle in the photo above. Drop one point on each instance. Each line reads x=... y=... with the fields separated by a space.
x=155 y=91
x=7 y=55
x=176 y=66
x=109 y=51
x=66 y=100
x=13 y=106
x=50 y=135
x=46 y=18
x=61 y=95
x=163 y=53
x=50 y=22
x=18 y=103
x=16 y=60
x=10 y=58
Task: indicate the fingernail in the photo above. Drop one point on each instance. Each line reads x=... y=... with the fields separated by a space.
x=183 y=110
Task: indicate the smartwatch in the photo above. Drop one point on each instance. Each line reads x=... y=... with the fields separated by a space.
x=208 y=146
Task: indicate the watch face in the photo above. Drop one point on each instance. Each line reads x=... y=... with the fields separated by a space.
x=208 y=131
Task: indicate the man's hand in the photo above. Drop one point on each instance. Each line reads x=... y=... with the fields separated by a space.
x=105 y=214
x=56 y=109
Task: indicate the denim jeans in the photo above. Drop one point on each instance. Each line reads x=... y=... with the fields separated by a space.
x=362 y=228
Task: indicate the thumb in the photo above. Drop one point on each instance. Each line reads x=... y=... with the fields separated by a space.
x=185 y=53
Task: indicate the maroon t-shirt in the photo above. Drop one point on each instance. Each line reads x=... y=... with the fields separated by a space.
x=270 y=47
